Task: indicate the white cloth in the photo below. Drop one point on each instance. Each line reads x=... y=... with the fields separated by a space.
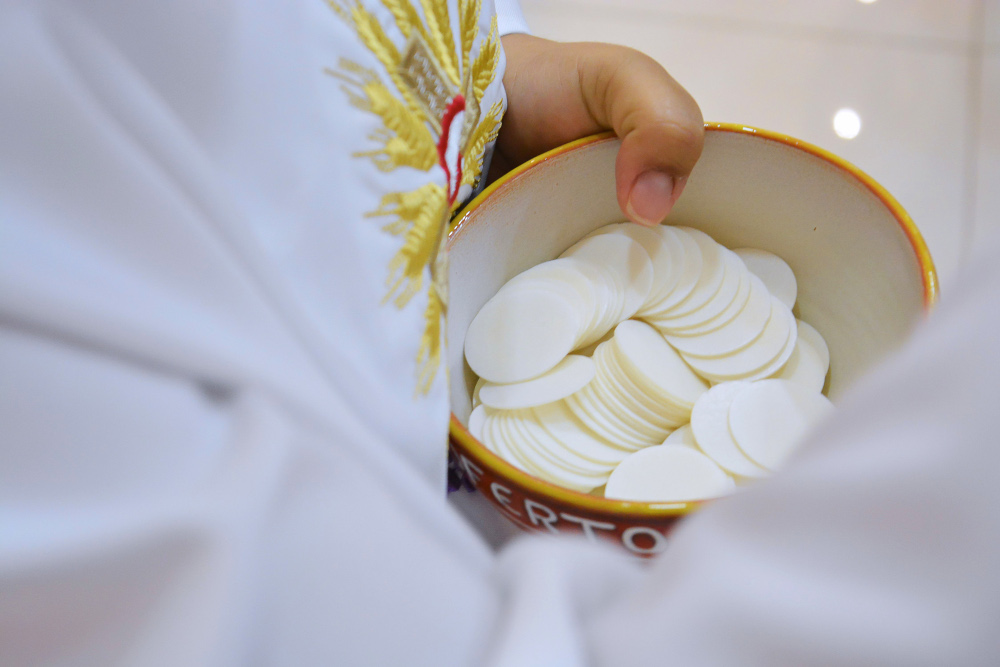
x=510 y=18
x=204 y=404
x=209 y=448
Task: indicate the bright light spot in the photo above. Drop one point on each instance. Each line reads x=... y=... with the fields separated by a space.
x=847 y=123
x=866 y=2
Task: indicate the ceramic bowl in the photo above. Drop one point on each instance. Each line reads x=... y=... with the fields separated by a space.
x=865 y=279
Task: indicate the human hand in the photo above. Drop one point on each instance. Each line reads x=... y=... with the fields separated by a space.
x=558 y=92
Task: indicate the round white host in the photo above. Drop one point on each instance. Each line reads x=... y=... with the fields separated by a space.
x=567 y=377
x=520 y=334
x=768 y=419
x=667 y=474
x=774 y=271
x=710 y=425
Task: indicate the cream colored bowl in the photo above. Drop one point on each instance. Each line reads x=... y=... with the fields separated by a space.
x=864 y=273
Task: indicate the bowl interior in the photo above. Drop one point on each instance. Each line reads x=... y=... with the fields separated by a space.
x=863 y=272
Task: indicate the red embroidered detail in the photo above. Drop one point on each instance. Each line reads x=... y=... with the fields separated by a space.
x=457 y=105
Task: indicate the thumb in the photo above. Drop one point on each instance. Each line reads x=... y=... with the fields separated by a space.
x=659 y=124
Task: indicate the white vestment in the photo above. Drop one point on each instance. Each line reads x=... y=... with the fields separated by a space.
x=211 y=447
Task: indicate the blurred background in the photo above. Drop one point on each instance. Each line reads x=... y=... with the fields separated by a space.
x=908 y=90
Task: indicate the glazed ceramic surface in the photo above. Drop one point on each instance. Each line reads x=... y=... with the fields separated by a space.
x=864 y=274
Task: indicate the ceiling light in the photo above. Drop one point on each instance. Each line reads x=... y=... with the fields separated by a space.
x=847 y=123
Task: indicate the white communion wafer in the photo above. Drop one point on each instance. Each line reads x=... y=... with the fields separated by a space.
x=774 y=271
x=568 y=276
x=662 y=410
x=476 y=420
x=572 y=419
x=777 y=336
x=804 y=366
x=513 y=449
x=567 y=377
x=667 y=474
x=733 y=272
x=666 y=268
x=635 y=400
x=497 y=444
x=619 y=405
x=537 y=444
x=815 y=339
x=594 y=419
x=765 y=371
x=627 y=411
x=626 y=259
x=613 y=380
x=713 y=270
x=710 y=425
x=596 y=423
x=776 y=364
x=520 y=334
x=622 y=422
x=607 y=305
x=650 y=360
x=560 y=275
x=769 y=418
x=502 y=423
x=614 y=293
x=686 y=249
x=559 y=288
x=558 y=420
x=487 y=437
x=540 y=438
x=739 y=332
x=682 y=437
x=726 y=316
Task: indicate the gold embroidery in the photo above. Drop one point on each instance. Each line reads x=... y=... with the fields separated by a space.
x=484 y=133
x=435 y=85
x=439 y=25
x=406 y=17
x=471 y=114
x=406 y=140
x=429 y=352
x=485 y=63
x=421 y=73
x=468 y=19
x=370 y=31
x=418 y=220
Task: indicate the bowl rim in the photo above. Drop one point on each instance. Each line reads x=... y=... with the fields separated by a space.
x=608 y=506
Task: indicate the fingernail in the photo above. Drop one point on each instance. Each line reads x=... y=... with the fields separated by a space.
x=651 y=198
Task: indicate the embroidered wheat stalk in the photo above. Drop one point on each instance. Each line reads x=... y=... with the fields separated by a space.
x=430 y=74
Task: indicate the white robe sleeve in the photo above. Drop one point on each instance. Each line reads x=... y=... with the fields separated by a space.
x=192 y=468
x=510 y=18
